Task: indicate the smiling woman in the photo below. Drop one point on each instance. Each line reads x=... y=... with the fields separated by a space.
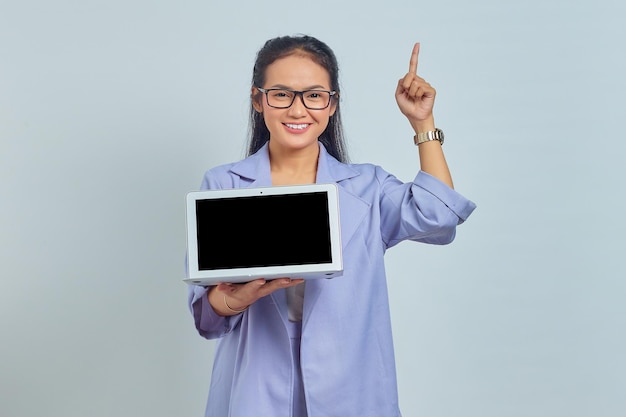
x=316 y=52
x=295 y=125
x=286 y=348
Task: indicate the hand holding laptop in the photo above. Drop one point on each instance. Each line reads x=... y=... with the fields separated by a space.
x=230 y=299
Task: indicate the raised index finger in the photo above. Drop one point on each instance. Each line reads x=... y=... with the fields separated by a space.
x=413 y=62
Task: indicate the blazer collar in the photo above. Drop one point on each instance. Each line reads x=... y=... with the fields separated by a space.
x=256 y=168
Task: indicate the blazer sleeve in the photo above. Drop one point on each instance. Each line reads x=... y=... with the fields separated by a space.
x=208 y=323
x=425 y=210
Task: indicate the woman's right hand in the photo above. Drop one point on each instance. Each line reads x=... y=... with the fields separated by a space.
x=416 y=97
x=230 y=299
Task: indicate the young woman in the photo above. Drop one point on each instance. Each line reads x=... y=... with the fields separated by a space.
x=324 y=348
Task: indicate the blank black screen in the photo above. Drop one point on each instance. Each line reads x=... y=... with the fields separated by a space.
x=272 y=230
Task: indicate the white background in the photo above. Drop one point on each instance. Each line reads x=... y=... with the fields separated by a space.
x=110 y=111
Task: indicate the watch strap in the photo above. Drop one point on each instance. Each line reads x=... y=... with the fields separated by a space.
x=422 y=137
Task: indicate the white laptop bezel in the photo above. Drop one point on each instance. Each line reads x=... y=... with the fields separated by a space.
x=311 y=271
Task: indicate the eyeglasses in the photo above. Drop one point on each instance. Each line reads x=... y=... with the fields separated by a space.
x=282 y=98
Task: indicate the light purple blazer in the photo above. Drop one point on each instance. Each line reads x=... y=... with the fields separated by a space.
x=348 y=365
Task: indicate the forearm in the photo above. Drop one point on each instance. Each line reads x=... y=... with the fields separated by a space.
x=432 y=158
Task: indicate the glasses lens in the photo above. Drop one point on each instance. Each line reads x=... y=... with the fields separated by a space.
x=280 y=98
x=316 y=99
x=313 y=99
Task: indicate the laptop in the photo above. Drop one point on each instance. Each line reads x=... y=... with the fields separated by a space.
x=238 y=235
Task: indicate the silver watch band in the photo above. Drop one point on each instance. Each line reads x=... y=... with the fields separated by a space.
x=422 y=137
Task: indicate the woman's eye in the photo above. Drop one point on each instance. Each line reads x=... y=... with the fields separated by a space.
x=281 y=94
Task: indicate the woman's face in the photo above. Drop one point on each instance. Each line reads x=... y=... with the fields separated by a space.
x=295 y=128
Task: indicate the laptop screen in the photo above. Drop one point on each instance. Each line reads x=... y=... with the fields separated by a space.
x=259 y=231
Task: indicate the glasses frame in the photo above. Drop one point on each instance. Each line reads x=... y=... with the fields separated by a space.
x=297 y=93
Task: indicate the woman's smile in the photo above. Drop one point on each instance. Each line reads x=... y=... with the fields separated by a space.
x=296 y=127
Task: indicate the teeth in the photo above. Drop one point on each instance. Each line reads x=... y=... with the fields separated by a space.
x=294 y=126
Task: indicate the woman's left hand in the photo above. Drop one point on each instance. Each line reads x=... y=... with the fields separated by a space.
x=414 y=95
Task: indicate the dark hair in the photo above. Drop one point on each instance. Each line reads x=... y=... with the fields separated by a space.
x=320 y=53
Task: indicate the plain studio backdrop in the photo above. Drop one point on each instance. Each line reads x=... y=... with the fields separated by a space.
x=111 y=111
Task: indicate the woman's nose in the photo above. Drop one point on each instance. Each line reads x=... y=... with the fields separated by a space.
x=297 y=107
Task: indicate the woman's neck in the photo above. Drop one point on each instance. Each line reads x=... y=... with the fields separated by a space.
x=294 y=166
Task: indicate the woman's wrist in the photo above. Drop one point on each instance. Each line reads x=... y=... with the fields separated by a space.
x=220 y=304
x=234 y=310
x=425 y=125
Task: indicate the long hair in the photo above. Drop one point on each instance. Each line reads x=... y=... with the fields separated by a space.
x=320 y=53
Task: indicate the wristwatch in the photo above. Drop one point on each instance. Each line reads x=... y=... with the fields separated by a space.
x=422 y=137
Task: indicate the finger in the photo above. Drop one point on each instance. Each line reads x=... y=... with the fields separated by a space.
x=413 y=62
x=410 y=79
x=250 y=287
x=258 y=284
x=417 y=89
x=293 y=282
x=272 y=285
x=226 y=287
x=276 y=283
x=285 y=282
x=423 y=92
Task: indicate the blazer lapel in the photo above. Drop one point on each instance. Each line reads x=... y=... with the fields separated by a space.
x=254 y=171
x=353 y=210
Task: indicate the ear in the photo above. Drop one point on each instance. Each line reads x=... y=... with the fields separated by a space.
x=255 y=96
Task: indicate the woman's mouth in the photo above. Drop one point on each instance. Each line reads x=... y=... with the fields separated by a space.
x=298 y=127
